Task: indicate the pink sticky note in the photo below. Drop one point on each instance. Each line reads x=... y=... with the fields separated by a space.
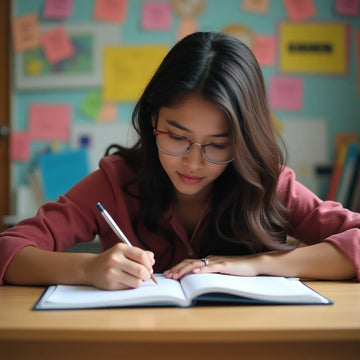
x=57 y=9
x=57 y=45
x=110 y=10
x=264 y=49
x=347 y=7
x=286 y=93
x=300 y=9
x=26 y=33
x=19 y=149
x=156 y=15
x=49 y=121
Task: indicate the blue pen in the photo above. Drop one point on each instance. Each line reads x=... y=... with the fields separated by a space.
x=116 y=229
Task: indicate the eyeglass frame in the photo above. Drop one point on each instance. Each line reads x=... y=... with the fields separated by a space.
x=191 y=143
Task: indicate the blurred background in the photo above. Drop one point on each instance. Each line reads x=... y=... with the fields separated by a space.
x=72 y=71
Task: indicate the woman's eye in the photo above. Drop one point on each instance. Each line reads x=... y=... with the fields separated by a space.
x=218 y=146
x=176 y=138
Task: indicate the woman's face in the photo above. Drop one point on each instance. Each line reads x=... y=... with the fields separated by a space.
x=201 y=122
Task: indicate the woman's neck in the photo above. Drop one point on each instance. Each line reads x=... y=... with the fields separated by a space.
x=198 y=200
x=190 y=209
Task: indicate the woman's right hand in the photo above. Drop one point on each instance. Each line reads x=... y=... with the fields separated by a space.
x=120 y=267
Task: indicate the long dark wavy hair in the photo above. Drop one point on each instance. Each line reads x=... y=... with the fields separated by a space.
x=247 y=215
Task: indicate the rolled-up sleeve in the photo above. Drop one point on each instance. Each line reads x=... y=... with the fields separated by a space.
x=57 y=226
x=313 y=220
x=72 y=219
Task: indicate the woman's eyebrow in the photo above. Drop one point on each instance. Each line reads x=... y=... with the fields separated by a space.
x=177 y=125
x=180 y=127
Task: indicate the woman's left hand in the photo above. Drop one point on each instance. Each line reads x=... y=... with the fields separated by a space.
x=231 y=265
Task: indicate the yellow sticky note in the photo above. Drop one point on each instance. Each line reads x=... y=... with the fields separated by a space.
x=277 y=123
x=128 y=69
x=314 y=47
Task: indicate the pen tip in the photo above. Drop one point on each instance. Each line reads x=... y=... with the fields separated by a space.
x=99 y=206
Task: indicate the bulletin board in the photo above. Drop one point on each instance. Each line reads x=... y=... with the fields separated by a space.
x=90 y=79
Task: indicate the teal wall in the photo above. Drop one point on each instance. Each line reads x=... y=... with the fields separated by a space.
x=333 y=98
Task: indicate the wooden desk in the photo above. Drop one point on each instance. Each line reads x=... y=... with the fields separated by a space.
x=229 y=332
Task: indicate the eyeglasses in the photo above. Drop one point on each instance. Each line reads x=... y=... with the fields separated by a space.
x=176 y=145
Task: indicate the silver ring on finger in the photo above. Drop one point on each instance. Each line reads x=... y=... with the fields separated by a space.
x=206 y=261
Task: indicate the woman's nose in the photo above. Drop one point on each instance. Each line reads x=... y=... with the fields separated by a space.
x=194 y=157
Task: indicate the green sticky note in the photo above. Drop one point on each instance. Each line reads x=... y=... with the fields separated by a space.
x=92 y=104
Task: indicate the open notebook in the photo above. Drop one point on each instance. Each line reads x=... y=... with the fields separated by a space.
x=186 y=292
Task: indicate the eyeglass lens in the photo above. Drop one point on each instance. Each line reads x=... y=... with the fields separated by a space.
x=178 y=145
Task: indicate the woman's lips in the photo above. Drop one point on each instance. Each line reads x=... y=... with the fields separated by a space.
x=189 y=179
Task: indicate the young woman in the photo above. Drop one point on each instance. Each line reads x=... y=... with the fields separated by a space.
x=203 y=190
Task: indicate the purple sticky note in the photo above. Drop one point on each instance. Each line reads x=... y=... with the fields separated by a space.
x=347 y=7
x=156 y=15
x=57 y=9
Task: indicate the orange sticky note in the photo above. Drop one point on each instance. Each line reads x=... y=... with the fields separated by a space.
x=107 y=112
x=19 y=149
x=57 y=45
x=264 y=49
x=300 y=9
x=26 y=33
x=187 y=26
x=49 y=121
x=110 y=10
x=256 y=6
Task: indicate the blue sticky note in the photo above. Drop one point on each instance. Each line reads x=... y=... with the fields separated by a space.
x=59 y=172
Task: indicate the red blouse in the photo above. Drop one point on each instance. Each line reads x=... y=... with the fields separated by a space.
x=75 y=218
